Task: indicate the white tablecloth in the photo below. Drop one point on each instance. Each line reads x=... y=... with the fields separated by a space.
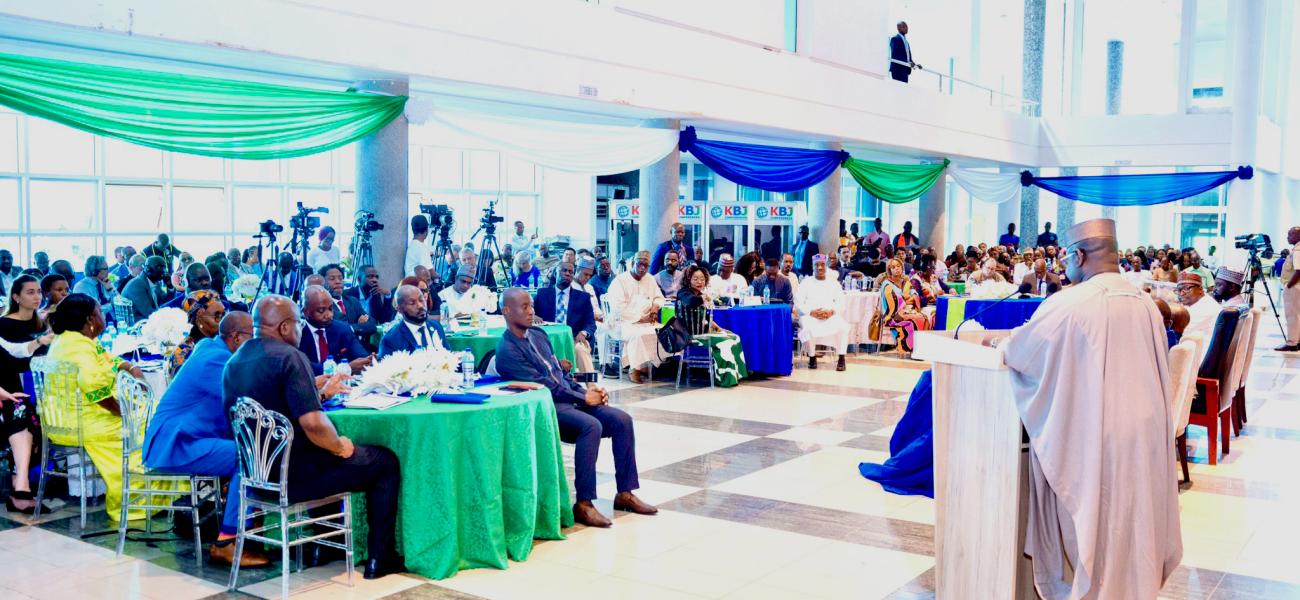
x=858 y=308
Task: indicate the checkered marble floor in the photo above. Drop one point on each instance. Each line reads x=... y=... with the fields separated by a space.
x=760 y=498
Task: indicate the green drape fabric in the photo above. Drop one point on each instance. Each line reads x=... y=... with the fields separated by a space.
x=480 y=482
x=895 y=184
x=192 y=114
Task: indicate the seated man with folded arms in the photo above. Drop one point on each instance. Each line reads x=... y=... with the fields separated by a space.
x=272 y=371
x=635 y=300
x=190 y=432
x=525 y=354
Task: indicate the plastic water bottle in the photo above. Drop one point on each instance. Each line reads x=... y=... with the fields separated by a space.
x=343 y=368
x=767 y=295
x=445 y=311
x=328 y=367
x=107 y=338
x=482 y=321
x=467 y=368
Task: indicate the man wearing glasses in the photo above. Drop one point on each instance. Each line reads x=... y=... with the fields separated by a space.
x=1202 y=308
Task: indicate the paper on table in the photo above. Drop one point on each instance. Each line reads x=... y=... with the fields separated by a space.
x=376 y=401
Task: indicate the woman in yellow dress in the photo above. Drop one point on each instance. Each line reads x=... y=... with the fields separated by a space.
x=77 y=325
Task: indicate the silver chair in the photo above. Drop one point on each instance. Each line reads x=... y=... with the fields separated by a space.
x=611 y=348
x=123 y=311
x=697 y=354
x=263 y=439
x=137 y=401
x=58 y=403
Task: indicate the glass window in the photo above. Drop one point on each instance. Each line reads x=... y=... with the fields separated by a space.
x=74 y=249
x=701 y=182
x=1209 y=54
x=200 y=209
x=9 y=142
x=316 y=198
x=521 y=176
x=58 y=150
x=197 y=168
x=256 y=204
x=443 y=167
x=122 y=159
x=256 y=170
x=348 y=208
x=62 y=206
x=136 y=208
x=9 y=205
x=200 y=246
x=315 y=168
x=1144 y=36
x=519 y=208
x=484 y=170
x=345 y=165
x=13 y=244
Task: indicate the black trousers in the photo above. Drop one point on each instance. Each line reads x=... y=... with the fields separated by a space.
x=372 y=470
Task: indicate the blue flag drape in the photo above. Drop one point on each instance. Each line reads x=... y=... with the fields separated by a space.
x=771 y=168
x=1134 y=190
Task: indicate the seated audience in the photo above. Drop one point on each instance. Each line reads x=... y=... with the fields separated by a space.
x=525 y=274
x=727 y=284
x=1227 y=287
x=205 y=312
x=635 y=300
x=749 y=266
x=22 y=328
x=416 y=330
x=432 y=302
x=325 y=252
x=54 y=288
x=928 y=285
x=564 y=303
x=64 y=268
x=820 y=304
x=452 y=295
x=583 y=272
x=197 y=278
x=787 y=270
x=1166 y=271
x=988 y=271
x=1202 y=308
x=323 y=337
x=900 y=307
x=347 y=308
x=285 y=280
x=1040 y=279
x=779 y=287
x=134 y=266
x=271 y=370
x=95 y=283
x=146 y=291
x=670 y=277
x=525 y=354
x=374 y=299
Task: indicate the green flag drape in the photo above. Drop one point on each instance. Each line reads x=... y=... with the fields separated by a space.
x=192 y=114
x=895 y=184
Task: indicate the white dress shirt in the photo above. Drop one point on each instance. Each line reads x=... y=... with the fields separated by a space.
x=417 y=253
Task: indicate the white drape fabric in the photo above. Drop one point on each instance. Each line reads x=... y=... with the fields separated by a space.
x=993 y=188
x=595 y=149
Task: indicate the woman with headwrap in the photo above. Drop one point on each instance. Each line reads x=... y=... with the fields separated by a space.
x=900 y=306
x=205 y=310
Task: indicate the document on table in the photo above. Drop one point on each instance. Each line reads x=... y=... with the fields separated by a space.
x=376 y=401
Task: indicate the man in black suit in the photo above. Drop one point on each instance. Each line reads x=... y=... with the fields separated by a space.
x=772 y=248
x=323 y=337
x=803 y=251
x=145 y=290
x=416 y=330
x=566 y=304
x=685 y=253
x=777 y=285
x=901 y=51
x=347 y=308
x=374 y=299
x=1047 y=238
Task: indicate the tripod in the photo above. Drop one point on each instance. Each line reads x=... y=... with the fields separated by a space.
x=361 y=252
x=1254 y=272
x=490 y=250
x=442 y=248
x=269 y=265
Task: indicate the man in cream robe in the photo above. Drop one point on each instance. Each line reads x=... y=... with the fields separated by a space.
x=820 y=304
x=635 y=300
x=1092 y=385
x=1202 y=308
x=727 y=283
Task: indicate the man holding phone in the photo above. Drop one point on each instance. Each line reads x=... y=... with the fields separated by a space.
x=584 y=415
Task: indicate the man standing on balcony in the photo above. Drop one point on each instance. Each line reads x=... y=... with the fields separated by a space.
x=901 y=51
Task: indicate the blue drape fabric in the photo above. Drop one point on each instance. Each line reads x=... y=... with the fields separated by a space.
x=910 y=467
x=1134 y=190
x=771 y=168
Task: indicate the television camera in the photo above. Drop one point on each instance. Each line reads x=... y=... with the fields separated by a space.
x=1259 y=246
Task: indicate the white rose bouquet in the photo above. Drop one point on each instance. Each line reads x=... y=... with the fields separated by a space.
x=478 y=298
x=424 y=371
x=245 y=288
x=991 y=290
x=166 y=327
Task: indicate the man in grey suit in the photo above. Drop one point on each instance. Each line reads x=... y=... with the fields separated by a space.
x=777 y=285
x=145 y=291
x=1040 y=279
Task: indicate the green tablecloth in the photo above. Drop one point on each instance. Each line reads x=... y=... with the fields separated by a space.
x=728 y=358
x=480 y=482
x=958 y=286
x=560 y=335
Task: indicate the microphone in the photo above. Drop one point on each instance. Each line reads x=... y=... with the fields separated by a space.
x=985 y=309
x=1025 y=290
x=1053 y=288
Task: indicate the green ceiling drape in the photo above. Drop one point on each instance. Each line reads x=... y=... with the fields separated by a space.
x=192 y=114
x=895 y=184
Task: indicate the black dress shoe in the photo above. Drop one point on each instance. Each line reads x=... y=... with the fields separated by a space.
x=376 y=568
x=812 y=362
x=839 y=366
x=316 y=555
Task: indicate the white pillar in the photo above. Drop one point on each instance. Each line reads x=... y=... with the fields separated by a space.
x=1247 y=31
x=933 y=227
x=383 y=183
x=658 y=191
x=824 y=208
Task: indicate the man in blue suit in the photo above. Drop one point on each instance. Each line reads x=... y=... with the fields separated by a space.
x=777 y=285
x=347 y=308
x=416 y=330
x=678 y=243
x=323 y=337
x=901 y=51
x=566 y=304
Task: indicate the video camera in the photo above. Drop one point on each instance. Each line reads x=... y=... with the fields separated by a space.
x=490 y=217
x=303 y=221
x=439 y=215
x=366 y=222
x=1255 y=243
x=269 y=228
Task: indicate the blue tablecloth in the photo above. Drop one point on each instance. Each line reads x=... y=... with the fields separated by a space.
x=1008 y=315
x=766 y=335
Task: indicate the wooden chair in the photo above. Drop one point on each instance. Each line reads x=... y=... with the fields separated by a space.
x=1239 y=399
x=1208 y=409
x=1182 y=375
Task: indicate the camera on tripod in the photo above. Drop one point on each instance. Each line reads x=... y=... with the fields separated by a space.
x=1255 y=243
x=439 y=215
x=304 y=221
x=366 y=222
x=269 y=228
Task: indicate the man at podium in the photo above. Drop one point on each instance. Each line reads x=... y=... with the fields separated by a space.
x=1091 y=380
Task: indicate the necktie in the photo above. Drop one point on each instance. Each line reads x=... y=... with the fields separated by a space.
x=342 y=311
x=322 y=348
x=424 y=337
x=562 y=306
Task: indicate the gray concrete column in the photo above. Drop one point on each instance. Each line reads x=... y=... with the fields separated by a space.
x=1065 y=206
x=1247 y=21
x=1114 y=101
x=824 y=208
x=658 y=185
x=933 y=228
x=1032 y=84
x=383 y=184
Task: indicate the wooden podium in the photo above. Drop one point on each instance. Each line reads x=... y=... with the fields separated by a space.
x=981 y=474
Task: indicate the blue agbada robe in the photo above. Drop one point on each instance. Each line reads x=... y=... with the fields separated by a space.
x=910 y=468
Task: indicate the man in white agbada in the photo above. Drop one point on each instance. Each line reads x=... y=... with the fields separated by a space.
x=1091 y=378
x=820 y=304
x=727 y=282
x=635 y=300
x=1203 y=310
x=452 y=296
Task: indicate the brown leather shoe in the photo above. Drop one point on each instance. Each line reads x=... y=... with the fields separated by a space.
x=586 y=514
x=226 y=554
x=637 y=375
x=627 y=501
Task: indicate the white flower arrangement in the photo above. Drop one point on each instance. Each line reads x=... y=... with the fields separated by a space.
x=166 y=327
x=425 y=371
x=478 y=298
x=991 y=290
x=245 y=288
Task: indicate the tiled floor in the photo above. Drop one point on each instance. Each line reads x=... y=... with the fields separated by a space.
x=760 y=498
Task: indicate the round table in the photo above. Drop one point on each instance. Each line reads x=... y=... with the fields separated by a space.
x=480 y=482
x=858 y=308
x=951 y=310
x=560 y=335
x=766 y=334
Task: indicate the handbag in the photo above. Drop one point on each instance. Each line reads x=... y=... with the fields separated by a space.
x=673 y=336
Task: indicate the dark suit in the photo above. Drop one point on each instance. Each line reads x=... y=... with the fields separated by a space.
x=400 y=338
x=780 y=288
x=580 y=317
x=1046 y=239
x=661 y=252
x=771 y=249
x=145 y=295
x=1031 y=280
x=343 y=345
x=351 y=313
x=898 y=51
x=378 y=306
x=804 y=265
